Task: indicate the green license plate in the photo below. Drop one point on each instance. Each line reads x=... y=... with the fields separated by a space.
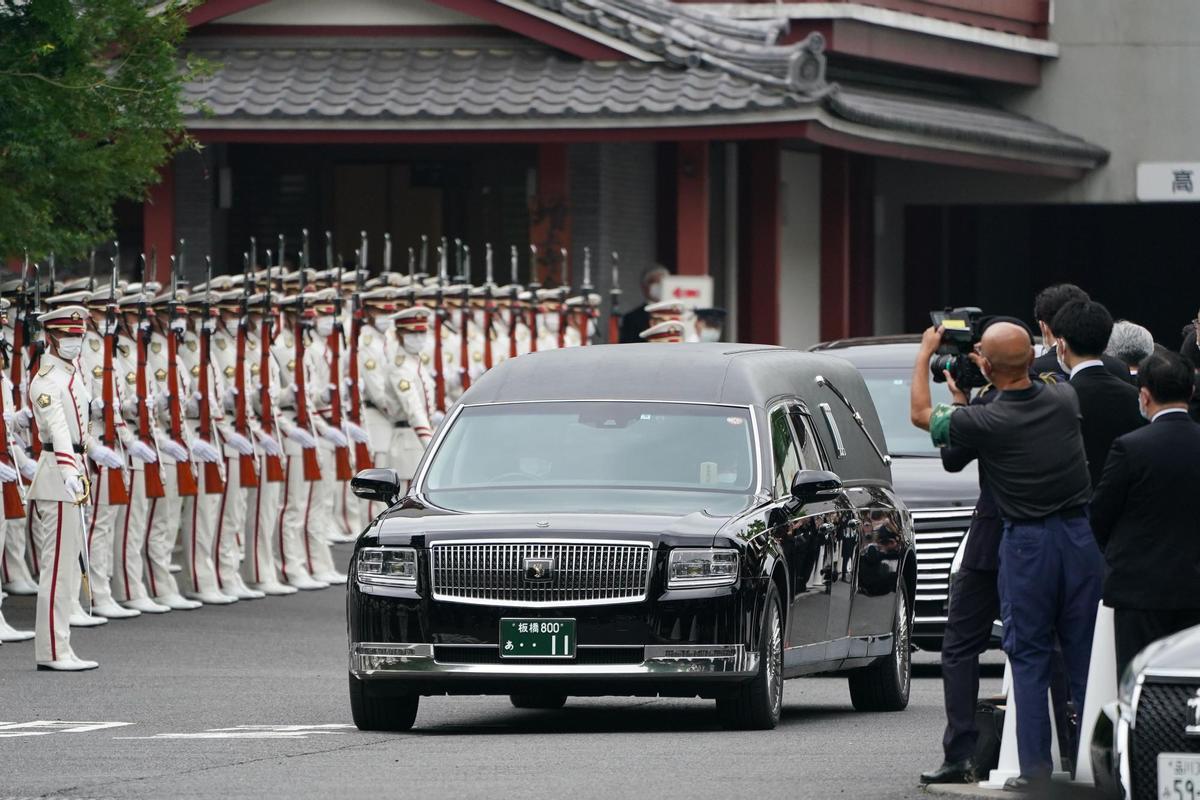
x=537 y=638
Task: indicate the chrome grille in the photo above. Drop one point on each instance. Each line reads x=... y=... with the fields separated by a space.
x=938 y=536
x=584 y=573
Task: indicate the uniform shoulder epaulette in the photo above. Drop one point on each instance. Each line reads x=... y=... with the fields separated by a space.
x=986 y=390
x=1048 y=377
x=45 y=370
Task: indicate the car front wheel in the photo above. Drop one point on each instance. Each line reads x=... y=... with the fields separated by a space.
x=884 y=685
x=757 y=703
x=375 y=710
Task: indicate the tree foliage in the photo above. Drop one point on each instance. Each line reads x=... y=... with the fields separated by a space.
x=90 y=96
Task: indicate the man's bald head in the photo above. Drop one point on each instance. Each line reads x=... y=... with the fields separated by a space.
x=1008 y=349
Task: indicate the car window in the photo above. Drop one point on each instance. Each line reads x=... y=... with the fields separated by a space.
x=783 y=448
x=810 y=454
x=890 y=390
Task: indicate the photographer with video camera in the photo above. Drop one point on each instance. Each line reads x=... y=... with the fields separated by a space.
x=1031 y=453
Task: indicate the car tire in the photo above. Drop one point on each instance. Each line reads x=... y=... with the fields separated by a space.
x=885 y=684
x=373 y=710
x=758 y=703
x=546 y=701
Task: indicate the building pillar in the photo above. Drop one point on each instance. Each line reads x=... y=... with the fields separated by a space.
x=549 y=213
x=847 y=245
x=692 y=211
x=758 y=241
x=158 y=222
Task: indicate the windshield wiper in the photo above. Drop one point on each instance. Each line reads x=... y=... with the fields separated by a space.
x=823 y=381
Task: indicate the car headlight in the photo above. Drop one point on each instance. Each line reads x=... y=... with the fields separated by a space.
x=688 y=569
x=388 y=566
x=1129 y=678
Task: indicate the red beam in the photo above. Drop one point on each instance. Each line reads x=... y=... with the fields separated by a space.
x=847 y=245
x=692 y=214
x=550 y=212
x=158 y=223
x=366 y=31
x=215 y=9
x=548 y=33
x=758 y=242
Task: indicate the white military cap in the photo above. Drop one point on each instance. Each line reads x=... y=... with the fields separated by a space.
x=75 y=284
x=670 y=309
x=69 y=298
x=671 y=331
x=69 y=320
x=416 y=319
x=591 y=299
x=554 y=295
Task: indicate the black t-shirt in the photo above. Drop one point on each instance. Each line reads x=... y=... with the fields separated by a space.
x=1030 y=448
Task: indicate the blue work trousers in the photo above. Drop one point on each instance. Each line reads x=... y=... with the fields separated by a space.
x=1051 y=573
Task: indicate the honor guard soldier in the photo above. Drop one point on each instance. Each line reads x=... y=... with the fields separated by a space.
x=60 y=488
x=582 y=312
x=376 y=346
x=553 y=334
x=672 y=310
x=669 y=332
x=9 y=476
x=412 y=387
x=15 y=561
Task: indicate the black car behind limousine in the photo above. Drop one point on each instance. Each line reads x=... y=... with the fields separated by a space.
x=683 y=520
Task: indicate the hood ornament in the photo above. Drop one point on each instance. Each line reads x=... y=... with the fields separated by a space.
x=542 y=524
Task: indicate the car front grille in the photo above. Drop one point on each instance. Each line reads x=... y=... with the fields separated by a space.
x=581 y=573
x=938 y=536
x=490 y=654
x=1162 y=715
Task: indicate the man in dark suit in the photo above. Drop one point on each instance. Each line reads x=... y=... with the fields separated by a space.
x=1046 y=306
x=1108 y=404
x=1142 y=516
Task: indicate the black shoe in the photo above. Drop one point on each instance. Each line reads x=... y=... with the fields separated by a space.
x=951 y=772
x=1024 y=785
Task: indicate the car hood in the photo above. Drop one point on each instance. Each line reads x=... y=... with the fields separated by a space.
x=922 y=483
x=1177 y=652
x=424 y=528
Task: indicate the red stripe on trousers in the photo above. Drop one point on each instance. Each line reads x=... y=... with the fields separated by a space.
x=257 y=508
x=221 y=526
x=287 y=482
x=54 y=581
x=195 y=580
x=149 y=563
x=125 y=551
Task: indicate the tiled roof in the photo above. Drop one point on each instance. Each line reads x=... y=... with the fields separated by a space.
x=323 y=83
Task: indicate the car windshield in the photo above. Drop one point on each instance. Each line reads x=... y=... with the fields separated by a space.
x=595 y=456
x=889 y=389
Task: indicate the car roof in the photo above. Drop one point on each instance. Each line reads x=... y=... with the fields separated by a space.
x=737 y=374
x=868 y=352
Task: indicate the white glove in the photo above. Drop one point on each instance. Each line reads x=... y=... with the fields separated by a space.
x=19 y=420
x=356 y=432
x=142 y=451
x=105 y=457
x=302 y=437
x=174 y=449
x=269 y=445
x=204 y=451
x=332 y=434
x=230 y=398
x=179 y=325
x=162 y=401
x=29 y=468
x=240 y=443
x=7 y=473
x=436 y=418
x=96 y=408
x=74 y=485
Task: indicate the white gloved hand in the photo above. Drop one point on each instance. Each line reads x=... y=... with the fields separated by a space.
x=74 y=485
x=240 y=443
x=174 y=449
x=436 y=418
x=204 y=451
x=96 y=408
x=332 y=434
x=105 y=457
x=142 y=451
x=356 y=432
x=162 y=402
x=302 y=437
x=230 y=398
x=20 y=419
x=179 y=325
x=269 y=445
x=7 y=473
x=29 y=468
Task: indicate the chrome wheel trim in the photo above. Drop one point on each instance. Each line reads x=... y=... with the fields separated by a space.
x=774 y=665
x=903 y=646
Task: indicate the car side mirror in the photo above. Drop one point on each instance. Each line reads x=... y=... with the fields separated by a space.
x=814 y=484
x=379 y=485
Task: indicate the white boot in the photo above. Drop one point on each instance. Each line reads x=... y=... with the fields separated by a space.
x=10 y=634
x=330 y=577
x=111 y=610
x=274 y=588
x=146 y=606
x=213 y=598
x=243 y=592
x=20 y=588
x=177 y=602
x=307 y=583
x=70 y=664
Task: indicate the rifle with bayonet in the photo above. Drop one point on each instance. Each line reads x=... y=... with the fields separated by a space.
x=614 y=299
x=564 y=282
x=341 y=454
x=184 y=474
x=35 y=348
x=439 y=380
x=312 y=466
x=14 y=506
x=118 y=491
x=514 y=303
x=464 y=318
x=247 y=464
x=274 y=464
x=583 y=316
x=214 y=480
x=362 y=452
x=151 y=473
x=534 y=286
x=489 y=305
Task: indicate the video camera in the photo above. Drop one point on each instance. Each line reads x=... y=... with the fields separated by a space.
x=961 y=331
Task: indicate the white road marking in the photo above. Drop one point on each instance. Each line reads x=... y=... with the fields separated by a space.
x=255 y=732
x=44 y=727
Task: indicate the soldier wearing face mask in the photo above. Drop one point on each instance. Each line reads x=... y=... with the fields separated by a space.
x=411 y=385
x=710 y=323
x=637 y=320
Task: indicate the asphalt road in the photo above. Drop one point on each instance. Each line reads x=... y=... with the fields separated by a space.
x=250 y=701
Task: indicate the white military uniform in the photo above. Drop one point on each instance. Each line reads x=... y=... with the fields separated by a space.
x=262 y=502
x=380 y=409
x=60 y=403
x=411 y=385
x=7 y=632
x=318 y=519
x=14 y=566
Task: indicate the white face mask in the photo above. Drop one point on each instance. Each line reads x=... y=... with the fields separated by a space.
x=382 y=324
x=477 y=317
x=68 y=348
x=551 y=321
x=654 y=292
x=710 y=335
x=1062 y=365
x=324 y=326
x=414 y=342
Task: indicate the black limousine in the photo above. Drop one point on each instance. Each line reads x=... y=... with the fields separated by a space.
x=681 y=520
